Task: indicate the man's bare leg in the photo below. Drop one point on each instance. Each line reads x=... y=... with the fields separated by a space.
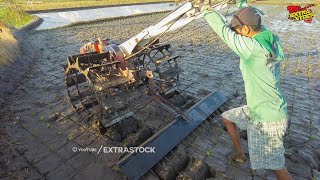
x=282 y=174
x=235 y=137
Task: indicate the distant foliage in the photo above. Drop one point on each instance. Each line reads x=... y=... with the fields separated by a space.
x=13 y=15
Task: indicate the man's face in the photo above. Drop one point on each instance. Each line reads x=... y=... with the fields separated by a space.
x=243 y=30
x=237 y=29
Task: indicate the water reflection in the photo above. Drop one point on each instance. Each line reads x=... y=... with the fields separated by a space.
x=58 y=19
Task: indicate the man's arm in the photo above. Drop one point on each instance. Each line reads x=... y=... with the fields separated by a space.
x=241 y=45
x=242 y=3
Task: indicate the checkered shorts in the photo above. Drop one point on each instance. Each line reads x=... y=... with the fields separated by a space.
x=265 y=139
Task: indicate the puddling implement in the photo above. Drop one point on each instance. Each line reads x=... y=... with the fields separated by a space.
x=108 y=80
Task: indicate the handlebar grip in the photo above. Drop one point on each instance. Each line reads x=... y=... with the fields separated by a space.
x=231 y=2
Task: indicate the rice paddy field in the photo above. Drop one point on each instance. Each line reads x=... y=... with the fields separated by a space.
x=41 y=127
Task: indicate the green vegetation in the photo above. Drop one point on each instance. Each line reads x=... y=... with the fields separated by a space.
x=209 y=153
x=49 y=125
x=13 y=15
x=116 y=168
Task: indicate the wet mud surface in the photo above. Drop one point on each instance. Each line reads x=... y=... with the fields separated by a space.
x=45 y=129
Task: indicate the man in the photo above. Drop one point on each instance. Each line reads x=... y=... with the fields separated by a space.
x=265 y=115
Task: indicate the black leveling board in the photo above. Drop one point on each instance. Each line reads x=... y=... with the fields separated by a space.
x=136 y=165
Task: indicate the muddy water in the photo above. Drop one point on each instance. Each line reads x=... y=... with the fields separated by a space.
x=40 y=102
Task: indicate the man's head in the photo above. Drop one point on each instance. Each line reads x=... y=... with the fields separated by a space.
x=246 y=22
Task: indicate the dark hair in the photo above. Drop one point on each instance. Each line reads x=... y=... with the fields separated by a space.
x=255 y=27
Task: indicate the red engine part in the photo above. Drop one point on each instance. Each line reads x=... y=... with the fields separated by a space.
x=95 y=46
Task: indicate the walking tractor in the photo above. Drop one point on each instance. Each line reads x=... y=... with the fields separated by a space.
x=105 y=79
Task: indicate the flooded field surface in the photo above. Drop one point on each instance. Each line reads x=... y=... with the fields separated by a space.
x=48 y=134
x=58 y=19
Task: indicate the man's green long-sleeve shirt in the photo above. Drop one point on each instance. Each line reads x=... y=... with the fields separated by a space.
x=260 y=58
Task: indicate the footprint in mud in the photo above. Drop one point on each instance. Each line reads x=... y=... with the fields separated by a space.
x=119 y=131
x=135 y=139
x=181 y=100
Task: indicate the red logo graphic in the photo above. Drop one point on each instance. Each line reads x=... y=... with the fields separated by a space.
x=297 y=13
